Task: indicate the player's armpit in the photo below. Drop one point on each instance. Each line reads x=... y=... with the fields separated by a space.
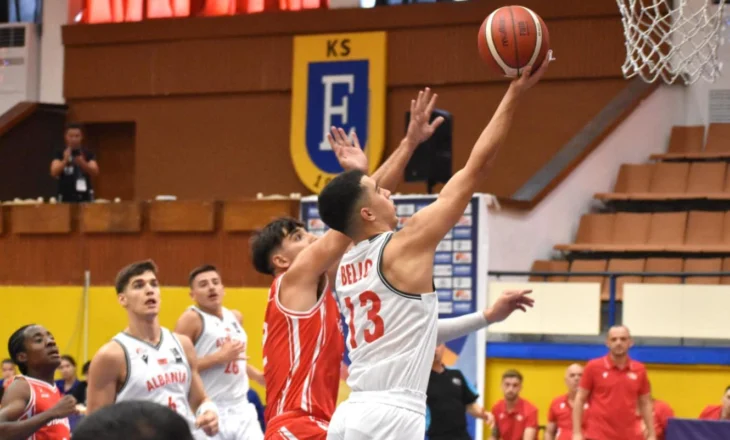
x=189 y=324
x=107 y=368
x=298 y=289
x=14 y=401
x=197 y=390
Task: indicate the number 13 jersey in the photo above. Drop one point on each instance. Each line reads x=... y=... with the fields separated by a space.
x=392 y=334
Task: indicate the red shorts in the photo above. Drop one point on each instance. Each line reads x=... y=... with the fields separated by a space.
x=298 y=426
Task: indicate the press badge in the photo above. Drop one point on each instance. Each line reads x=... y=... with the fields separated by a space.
x=81 y=184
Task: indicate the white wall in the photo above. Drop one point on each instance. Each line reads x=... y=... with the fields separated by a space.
x=55 y=15
x=517 y=238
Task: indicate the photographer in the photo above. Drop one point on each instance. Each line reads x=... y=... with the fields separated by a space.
x=73 y=167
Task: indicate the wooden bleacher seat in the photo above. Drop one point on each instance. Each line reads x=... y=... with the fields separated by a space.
x=706 y=178
x=683 y=142
x=630 y=229
x=594 y=229
x=702 y=265
x=667 y=229
x=632 y=179
x=669 y=178
x=588 y=266
x=718 y=140
x=725 y=268
x=622 y=265
x=704 y=231
x=663 y=265
x=549 y=266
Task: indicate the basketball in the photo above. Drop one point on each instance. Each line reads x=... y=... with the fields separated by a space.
x=512 y=38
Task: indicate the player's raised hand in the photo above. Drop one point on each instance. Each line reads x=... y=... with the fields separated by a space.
x=529 y=76
x=231 y=351
x=64 y=407
x=208 y=422
x=349 y=153
x=507 y=303
x=420 y=127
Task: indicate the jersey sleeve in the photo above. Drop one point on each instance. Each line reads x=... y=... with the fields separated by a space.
x=469 y=394
x=552 y=417
x=644 y=386
x=531 y=419
x=586 y=380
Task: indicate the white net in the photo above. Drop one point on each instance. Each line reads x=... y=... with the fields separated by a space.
x=672 y=39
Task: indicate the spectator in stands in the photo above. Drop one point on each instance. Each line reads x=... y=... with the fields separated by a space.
x=9 y=372
x=662 y=413
x=81 y=395
x=560 y=415
x=718 y=412
x=449 y=398
x=515 y=418
x=140 y=420
x=69 y=382
x=612 y=385
x=74 y=166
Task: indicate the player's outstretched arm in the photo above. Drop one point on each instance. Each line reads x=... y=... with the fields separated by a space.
x=427 y=227
x=206 y=413
x=104 y=373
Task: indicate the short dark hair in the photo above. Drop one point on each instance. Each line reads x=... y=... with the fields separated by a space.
x=512 y=374
x=270 y=237
x=85 y=368
x=339 y=198
x=131 y=271
x=16 y=345
x=135 y=419
x=68 y=358
x=8 y=361
x=201 y=269
x=74 y=126
x=727 y=389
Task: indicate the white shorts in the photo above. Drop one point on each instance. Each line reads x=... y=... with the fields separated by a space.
x=362 y=419
x=239 y=422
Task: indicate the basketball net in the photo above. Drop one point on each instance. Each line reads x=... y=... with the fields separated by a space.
x=672 y=39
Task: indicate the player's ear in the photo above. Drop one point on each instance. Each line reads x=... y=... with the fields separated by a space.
x=281 y=262
x=367 y=214
x=22 y=357
x=122 y=298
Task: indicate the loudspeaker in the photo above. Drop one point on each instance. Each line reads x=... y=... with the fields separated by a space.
x=431 y=162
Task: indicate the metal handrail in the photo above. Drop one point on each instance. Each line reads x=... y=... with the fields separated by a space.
x=611 y=280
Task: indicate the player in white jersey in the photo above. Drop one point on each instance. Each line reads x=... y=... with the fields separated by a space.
x=148 y=362
x=220 y=344
x=385 y=286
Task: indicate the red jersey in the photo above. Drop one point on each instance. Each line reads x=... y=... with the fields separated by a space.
x=561 y=413
x=711 y=412
x=43 y=396
x=302 y=356
x=512 y=424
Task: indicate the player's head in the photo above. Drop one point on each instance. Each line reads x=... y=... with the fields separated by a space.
x=67 y=367
x=572 y=377
x=8 y=368
x=726 y=399
x=206 y=287
x=619 y=340
x=275 y=247
x=439 y=354
x=140 y=420
x=511 y=385
x=32 y=347
x=354 y=204
x=85 y=369
x=74 y=135
x=138 y=290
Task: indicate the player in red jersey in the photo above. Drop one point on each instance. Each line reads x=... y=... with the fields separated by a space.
x=303 y=342
x=32 y=406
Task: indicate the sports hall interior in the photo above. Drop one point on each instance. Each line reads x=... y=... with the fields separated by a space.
x=612 y=195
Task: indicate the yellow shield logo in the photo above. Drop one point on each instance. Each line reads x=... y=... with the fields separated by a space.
x=338 y=80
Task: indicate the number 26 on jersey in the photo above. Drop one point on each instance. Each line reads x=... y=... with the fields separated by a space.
x=374 y=326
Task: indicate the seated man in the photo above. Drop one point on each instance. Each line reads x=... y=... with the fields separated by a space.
x=515 y=418
x=718 y=412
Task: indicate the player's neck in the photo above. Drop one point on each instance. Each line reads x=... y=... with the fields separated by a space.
x=145 y=330
x=620 y=360
x=571 y=396
x=369 y=231
x=217 y=311
x=510 y=404
x=438 y=367
x=44 y=376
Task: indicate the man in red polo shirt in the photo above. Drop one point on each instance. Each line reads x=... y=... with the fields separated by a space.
x=718 y=412
x=612 y=385
x=560 y=416
x=514 y=418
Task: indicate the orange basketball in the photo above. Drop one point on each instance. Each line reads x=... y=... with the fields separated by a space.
x=511 y=38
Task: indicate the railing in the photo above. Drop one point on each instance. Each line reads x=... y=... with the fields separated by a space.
x=612 y=276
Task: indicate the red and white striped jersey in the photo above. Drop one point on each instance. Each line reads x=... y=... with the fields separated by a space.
x=43 y=396
x=302 y=356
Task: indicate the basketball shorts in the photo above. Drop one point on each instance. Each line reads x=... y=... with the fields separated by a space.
x=235 y=422
x=297 y=426
x=362 y=419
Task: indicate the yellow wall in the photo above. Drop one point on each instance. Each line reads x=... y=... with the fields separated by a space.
x=687 y=388
x=60 y=309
